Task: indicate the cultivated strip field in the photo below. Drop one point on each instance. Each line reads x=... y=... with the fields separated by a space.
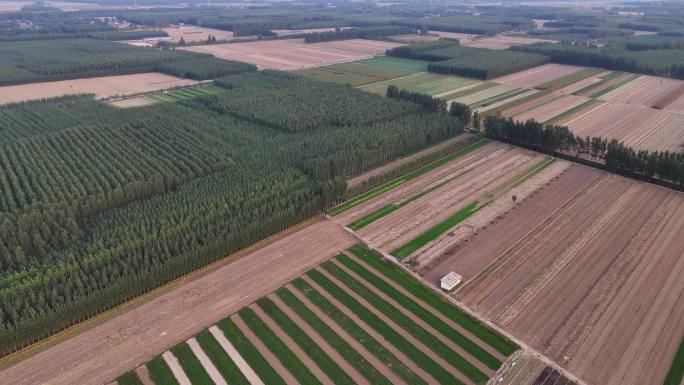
x=352 y=320
x=98 y=355
x=596 y=285
x=168 y=96
x=192 y=33
x=295 y=54
x=553 y=108
x=537 y=76
x=397 y=63
x=647 y=91
x=500 y=42
x=104 y=86
x=355 y=74
x=289 y=32
x=425 y=82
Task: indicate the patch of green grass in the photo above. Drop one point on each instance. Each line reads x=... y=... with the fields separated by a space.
x=129 y=378
x=498 y=98
x=429 y=235
x=396 y=63
x=190 y=364
x=676 y=372
x=322 y=359
x=459 y=94
x=570 y=111
x=615 y=86
x=250 y=353
x=415 y=308
x=411 y=175
x=436 y=301
x=570 y=79
x=434 y=343
x=613 y=75
x=225 y=365
x=160 y=372
x=357 y=333
x=278 y=348
x=341 y=346
x=392 y=336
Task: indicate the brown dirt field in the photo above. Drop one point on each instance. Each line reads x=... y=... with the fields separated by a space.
x=292 y=345
x=636 y=126
x=104 y=86
x=463 y=37
x=501 y=42
x=100 y=354
x=574 y=87
x=598 y=286
x=288 y=32
x=550 y=110
x=376 y=336
x=645 y=91
x=528 y=105
x=144 y=375
x=374 y=361
x=539 y=75
x=191 y=33
x=483 y=244
x=422 y=182
x=420 y=345
x=676 y=105
x=406 y=223
x=295 y=54
x=320 y=341
x=400 y=162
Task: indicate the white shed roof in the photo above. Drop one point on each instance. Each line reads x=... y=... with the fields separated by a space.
x=450 y=280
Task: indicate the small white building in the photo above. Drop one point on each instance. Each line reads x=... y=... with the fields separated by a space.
x=450 y=281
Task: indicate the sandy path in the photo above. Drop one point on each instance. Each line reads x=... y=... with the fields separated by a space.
x=176 y=369
x=320 y=341
x=446 y=244
x=209 y=366
x=263 y=350
x=292 y=345
x=144 y=375
x=430 y=309
x=368 y=329
x=445 y=340
x=99 y=355
x=422 y=183
x=400 y=162
x=356 y=345
x=235 y=356
x=420 y=345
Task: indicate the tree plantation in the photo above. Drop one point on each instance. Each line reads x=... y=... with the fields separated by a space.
x=85 y=224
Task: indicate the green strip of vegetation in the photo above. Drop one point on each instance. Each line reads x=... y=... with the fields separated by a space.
x=615 y=86
x=392 y=336
x=570 y=79
x=498 y=98
x=613 y=75
x=225 y=365
x=129 y=378
x=160 y=373
x=676 y=373
x=341 y=346
x=436 y=301
x=315 y=352
x=411 y=175
x=279 y=349
x=570 y=111
x=424 y=238
x=434 y=343
x=459 y=94
x=357 y=333
x=514 y=103
x=250 y=353
x=415 y=308
x=190 y=364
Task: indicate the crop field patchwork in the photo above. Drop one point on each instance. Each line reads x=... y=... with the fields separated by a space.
x=485 y=96
x=538 y=76
x=168 y=96
x=354 y=74
x=396 y=63
x=355 y=319
x=426 y=82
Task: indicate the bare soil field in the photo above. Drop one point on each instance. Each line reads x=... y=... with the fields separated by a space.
x=501 y=42
x=414 y=38
x=191 y=33
x=537 y=76
x=637 y=126
x=295 y=54
x=553 y=108
x=476 y=242
x=289 y=32
x=474 y=182
x=104 y=86
x=463 y=37
x=596 y=286
x=647 y=91
x=99 y=355
x=400 y=162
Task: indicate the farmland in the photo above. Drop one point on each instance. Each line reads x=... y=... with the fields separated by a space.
x=101 y=87
x=425 y=82
x=293 y=54
x=167 y=96
x=355 y=74
x=353 y=319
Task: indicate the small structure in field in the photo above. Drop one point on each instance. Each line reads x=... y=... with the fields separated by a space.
x=450 y=281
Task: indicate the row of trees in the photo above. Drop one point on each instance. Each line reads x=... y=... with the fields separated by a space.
x=553 y=139
x=113 y=209
x=425 y=100
x=358 y=33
